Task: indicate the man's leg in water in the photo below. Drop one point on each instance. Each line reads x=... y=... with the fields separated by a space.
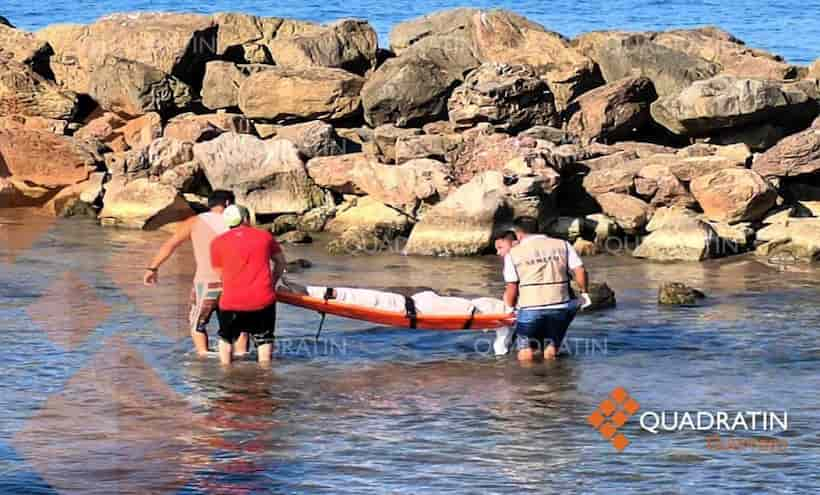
x=528 y=339
x=229 y=323
x=200 y=314
x=240 y=347
x=556 y=322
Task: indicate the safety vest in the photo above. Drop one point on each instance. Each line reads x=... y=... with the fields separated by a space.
x=543 y=272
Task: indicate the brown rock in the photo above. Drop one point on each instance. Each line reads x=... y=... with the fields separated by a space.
x=347 y=44
x=733 y=195
x=175 y=44
x=141 y=131
x=300 y=94
x=510 y=97
x=453 y=22
x=315 y=138
x=724 y=102
x=463 y=223
x=659 y=185
x=34 y=123
x=143 y=204
x=613 y=112
x=396 y=185
x=198 y=128
x=412 y=89
x=44 y=158
x=267 y=176
x=24 y=92
x=504 y=37
x=618 y=179
x=384 y=141
x=104 y=128
x=686 y=239
x=621 y=54
x=731 y=54
x=220 y=88
x=499 y=152
x=133 y=88
x=23 y=47
x=795 y=155
x=442 y=147
x=631 y=213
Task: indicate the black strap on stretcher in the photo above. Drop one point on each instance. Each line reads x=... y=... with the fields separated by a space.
x=410 y=310
x=469 y=322
x=328 y=295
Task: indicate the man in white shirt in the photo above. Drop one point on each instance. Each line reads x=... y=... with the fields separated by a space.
x=538 y=272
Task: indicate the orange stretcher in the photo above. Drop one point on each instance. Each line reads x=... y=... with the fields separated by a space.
x=475 y=321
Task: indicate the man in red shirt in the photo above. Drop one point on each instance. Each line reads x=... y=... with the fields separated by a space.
x=248 y=303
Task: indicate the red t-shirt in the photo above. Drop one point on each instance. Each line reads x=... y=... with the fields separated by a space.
x=243 y=255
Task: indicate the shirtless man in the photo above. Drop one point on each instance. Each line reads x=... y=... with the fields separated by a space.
x=200 y=230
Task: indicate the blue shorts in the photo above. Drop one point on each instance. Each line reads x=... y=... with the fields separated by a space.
x=538 y=328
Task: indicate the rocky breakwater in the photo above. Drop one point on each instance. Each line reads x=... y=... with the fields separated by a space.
x=687 y=143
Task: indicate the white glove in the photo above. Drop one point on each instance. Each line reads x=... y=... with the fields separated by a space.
x=585 y=301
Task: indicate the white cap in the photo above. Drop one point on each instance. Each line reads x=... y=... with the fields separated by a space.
x=234 y=215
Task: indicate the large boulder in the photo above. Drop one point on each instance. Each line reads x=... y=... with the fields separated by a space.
x=413 y=89
x=24 y=92
x=142 y=131
x=442 y=147
x=34 y=123
x=315 y=138
x=266 y=176
x=347 y=44
x=630 y=213
x=447 y=23
x=725 y=102
x=507 y=38
x=369 y=213
x=243 y=38
x=733 y=195
x=382 y=147
x=133 y=88
x=686 y=239
x=46 y=159
x=220 y=87
x=24 y=48
x=464 y=222
x=797 y=154
x=499 y=152
x=396 y=185
x=104 y=127
x=511 y=97
x=620 y=55
x=202 y=127
x=175 y=44
x=795 y=241
x=730 y=53
x=661 y=187
x=310 y=93
x=143 y=204
x=614 y=112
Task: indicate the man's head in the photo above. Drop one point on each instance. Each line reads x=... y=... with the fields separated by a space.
x=504 y=242
x=524 y=226
x=219 y=200
x=236 y=215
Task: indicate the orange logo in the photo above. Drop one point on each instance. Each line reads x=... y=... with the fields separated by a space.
x=611 y=414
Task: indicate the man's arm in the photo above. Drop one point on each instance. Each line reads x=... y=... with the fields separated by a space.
x=182 y=234
x=279 y=264
x=511 y=294
x=580 y=276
